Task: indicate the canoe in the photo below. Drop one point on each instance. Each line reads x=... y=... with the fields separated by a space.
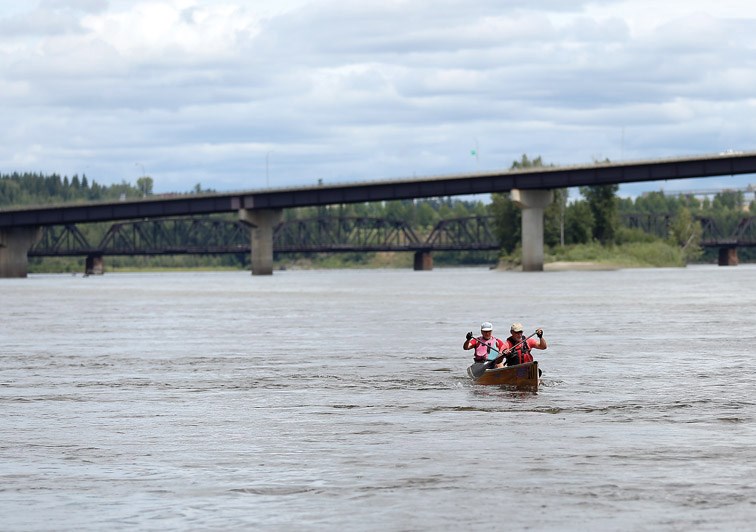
x=522 y=376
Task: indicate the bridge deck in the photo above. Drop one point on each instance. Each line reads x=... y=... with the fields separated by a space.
x=437 y=186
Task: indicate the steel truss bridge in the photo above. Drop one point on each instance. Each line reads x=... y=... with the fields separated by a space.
x=744 y=234
x=210 y=236
x=205 y=235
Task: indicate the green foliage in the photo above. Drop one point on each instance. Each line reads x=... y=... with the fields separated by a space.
x=604 y=206
x=554 y=219
x=525 y=162
x=627 y=235
x=728 y=201
x=725 y=210
x=686 y=232
x=56 y=265
x=145 y=184
x=634 y=254
x=507 y=222
x=17 y=190
x=578 y=220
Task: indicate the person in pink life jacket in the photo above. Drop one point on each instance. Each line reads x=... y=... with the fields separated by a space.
x=485 y=345
x=517 y=348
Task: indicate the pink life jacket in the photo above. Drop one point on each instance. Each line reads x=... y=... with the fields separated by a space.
x=481 y=350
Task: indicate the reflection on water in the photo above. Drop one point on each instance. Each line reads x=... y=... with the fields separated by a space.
x=340 y=398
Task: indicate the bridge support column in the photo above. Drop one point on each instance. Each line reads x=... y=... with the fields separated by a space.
x=94 y=265
x=728 y=257
x=262 y=223
x=15 y=243
x=423 y=261
x=532 y=203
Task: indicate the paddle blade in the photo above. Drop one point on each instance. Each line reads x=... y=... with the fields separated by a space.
x=478 y=369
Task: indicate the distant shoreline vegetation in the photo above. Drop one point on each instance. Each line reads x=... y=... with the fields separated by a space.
x=586 y=256
x=591 y=228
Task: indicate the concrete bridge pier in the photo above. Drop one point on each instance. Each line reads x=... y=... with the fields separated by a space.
x=728 y=256
x=423 y=261
x=532 y=203
x=15 y=243
x=262 y=222
x=94 y=265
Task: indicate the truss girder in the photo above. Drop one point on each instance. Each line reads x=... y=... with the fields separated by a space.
x=655 y=224
x=60 y=239
x=344 y=234
x=356 y=234
x=466 y=233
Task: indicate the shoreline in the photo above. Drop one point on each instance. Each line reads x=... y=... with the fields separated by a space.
x=563 y=266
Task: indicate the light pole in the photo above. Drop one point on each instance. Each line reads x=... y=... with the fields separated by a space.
x=142 y=181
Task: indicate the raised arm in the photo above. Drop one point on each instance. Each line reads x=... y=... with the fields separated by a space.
x=468 y=339
x=541 y=340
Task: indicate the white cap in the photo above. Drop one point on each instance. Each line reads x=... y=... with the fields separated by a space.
x=516 y=327
x=486 y=326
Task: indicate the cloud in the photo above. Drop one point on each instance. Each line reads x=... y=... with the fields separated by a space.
x=208 y=91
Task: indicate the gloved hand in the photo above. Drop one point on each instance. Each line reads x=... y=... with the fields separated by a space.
x=469 y=335
x=539 y=333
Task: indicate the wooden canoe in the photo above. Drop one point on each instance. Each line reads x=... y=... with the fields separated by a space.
x=522 y=376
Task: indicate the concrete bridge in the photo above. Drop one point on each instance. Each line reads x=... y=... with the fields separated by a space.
x=262 y=210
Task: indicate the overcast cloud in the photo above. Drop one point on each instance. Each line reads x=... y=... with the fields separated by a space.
x=238 y=95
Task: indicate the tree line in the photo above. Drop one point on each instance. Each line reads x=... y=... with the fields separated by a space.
x=599 y=216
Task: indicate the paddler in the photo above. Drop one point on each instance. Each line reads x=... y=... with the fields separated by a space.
x=517 y=348
x=484 y=344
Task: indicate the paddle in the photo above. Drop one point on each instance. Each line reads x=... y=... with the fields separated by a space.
x=478 y=368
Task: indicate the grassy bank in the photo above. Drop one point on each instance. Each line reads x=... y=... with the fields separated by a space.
x=632 y=255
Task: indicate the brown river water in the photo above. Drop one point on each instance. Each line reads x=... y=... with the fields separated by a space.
x=317 y=400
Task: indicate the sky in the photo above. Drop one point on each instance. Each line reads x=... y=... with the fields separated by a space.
x=235 y=95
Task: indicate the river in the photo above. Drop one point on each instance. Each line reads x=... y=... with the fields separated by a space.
x=317 y=400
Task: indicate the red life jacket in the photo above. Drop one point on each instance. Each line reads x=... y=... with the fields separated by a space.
x=481 y=350
x=519 y=354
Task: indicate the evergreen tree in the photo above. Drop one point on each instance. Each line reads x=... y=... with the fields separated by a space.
x=507 y=221
x=554 y=219
x=578 y=223
x=602 y=201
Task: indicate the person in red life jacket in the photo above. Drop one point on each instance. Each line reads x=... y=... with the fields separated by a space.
x=517 y=348
x=484 y=343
